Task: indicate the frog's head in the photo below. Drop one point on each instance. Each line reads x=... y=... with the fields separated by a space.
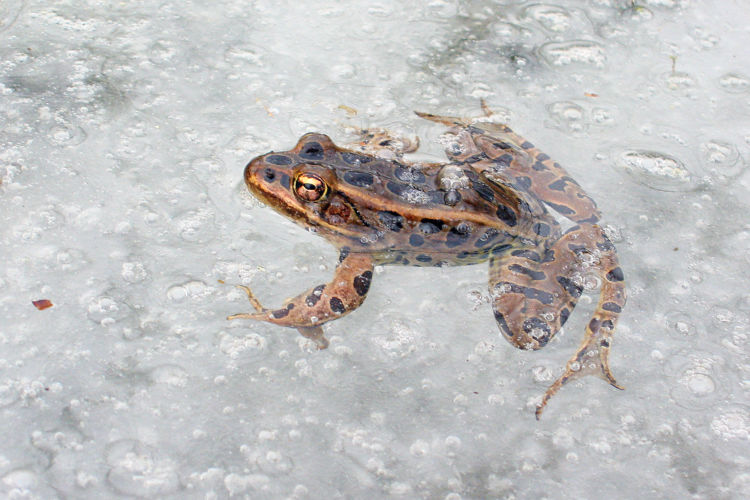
x=301 y=183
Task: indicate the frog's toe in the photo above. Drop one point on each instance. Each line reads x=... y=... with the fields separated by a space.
x=259 y=316
x=587 y=361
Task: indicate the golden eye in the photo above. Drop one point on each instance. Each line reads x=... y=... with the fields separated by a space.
x=310 y=187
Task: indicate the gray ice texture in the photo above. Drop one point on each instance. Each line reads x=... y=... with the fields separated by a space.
x=124 y=130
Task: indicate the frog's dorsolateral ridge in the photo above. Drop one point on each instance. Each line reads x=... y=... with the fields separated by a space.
x=487 y=203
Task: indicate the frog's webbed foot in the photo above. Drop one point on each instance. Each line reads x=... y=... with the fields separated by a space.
x=592 y=358
x=382 y=142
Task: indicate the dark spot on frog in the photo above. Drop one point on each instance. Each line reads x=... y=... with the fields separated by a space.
x=539 y=166
x=608 y=325
x=409 y=174
x=396 y=187
x=337 y=305
x=359 y=179
x=533 y=326
x=506 y=215
x=354 y=159
x=279 y=160
x=362 y=283
x=416 y=240
x=269 y=174
x=430 y=226
x=531 y=293
x=391 y=220
x=284 y=181
x=504 y=160
x=472 y=175
x=312 y=151
x=437 y=197
x=486 y=238
x=564 y=315
x=484 y=191
x=594 y=324
x=561 y=209
x=523 y=181
x=424 y=258
x=452 y=197
x=344 y=253
x=500 y=249
x=612 y=307
x=475 y=158
x=458 y=235
x=558 y=185
x=527 y=254
x=527 y=145
x=615 y=275
x=541 y=229
x=315 y=295
x=503 y=324
x=604 y=343
x=591 y=220
x=281 y=313
x=571 y=287
x=542 y=157
x=534 y=275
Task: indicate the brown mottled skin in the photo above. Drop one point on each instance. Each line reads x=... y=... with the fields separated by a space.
x=488 y=203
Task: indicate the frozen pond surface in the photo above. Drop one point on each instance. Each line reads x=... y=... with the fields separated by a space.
x=124 y=129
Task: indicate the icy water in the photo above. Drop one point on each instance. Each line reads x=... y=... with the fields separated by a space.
x=124 y=130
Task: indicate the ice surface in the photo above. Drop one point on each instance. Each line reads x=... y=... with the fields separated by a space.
x=124 y=129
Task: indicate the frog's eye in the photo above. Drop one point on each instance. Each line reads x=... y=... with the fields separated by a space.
x=310 y=187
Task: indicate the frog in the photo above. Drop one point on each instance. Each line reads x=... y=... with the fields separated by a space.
x=491 y=201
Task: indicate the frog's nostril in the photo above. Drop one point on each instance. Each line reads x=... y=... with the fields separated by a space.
x=269 y=174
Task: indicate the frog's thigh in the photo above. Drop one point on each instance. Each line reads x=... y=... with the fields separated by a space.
x=323 y=303
x=532 y=296
x=541 y=175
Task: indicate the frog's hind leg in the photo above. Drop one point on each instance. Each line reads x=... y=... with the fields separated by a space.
x=535 y=290
x=592 y=356
x=519 y=159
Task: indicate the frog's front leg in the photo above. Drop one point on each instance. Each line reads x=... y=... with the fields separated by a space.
x=323 y=303
x=535 y=290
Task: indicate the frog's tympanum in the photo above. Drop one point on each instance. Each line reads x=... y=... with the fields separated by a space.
x=489 y=202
